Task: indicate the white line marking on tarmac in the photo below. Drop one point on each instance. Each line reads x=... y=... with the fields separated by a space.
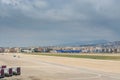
x=98 y=76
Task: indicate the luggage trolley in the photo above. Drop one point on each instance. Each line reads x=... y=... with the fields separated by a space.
x=2 y=75
x=16 y=70
x=8 y=72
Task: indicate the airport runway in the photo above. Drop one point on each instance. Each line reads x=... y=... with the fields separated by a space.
x=57 y=68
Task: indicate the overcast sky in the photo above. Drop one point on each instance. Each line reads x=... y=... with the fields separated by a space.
x=50 y=22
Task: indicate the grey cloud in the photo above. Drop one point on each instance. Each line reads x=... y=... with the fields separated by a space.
x=79 y=9
x=59 y=20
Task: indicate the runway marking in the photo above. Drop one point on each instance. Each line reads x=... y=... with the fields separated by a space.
x=98 y=76
x=112 y=77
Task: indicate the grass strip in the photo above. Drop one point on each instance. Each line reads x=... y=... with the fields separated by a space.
x=89 y=56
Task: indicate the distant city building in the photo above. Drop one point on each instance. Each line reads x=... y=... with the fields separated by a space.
x=111 y=47
x=2 y=50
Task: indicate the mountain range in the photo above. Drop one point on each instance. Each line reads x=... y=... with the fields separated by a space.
x=103 y=43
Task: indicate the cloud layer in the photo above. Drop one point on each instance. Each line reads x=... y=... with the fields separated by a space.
x=49 y=22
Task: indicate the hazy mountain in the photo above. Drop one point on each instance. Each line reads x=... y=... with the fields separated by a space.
x=84 y=43
x=112 y=44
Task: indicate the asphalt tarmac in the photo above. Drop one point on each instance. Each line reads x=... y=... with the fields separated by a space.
x=59 y=68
